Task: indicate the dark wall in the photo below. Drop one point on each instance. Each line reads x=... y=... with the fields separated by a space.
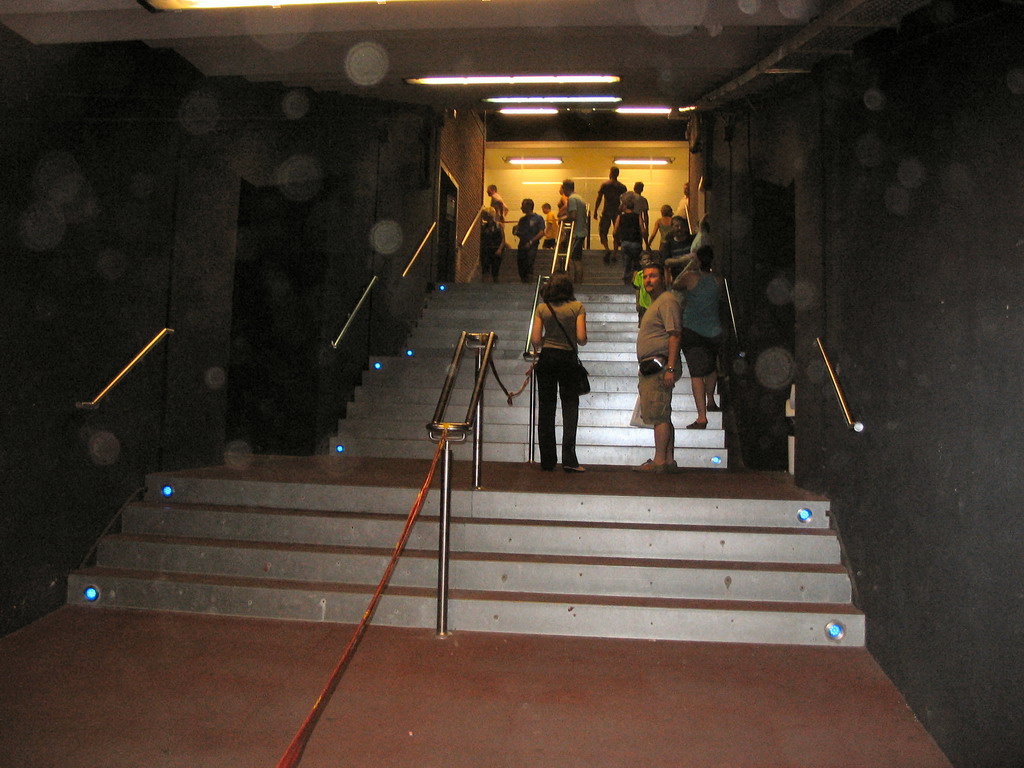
x=907 y=176
x=120 y=187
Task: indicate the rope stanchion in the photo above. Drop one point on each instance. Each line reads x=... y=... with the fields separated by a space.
x=294 y=752
x=510 y=396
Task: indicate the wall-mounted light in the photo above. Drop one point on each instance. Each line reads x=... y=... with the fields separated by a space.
x=690 y=108
x=533 y=160
x=642 y=160
x=644 y=110
x=514 y=80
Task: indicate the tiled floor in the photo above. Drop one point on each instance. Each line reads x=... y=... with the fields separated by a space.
x=100 y=688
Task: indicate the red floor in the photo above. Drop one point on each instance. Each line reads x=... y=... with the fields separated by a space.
x=99 y=688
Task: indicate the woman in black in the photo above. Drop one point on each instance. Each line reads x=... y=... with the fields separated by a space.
x=492 y=244
x=559 y=329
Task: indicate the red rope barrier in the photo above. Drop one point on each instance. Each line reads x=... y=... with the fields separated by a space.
x=294 y=752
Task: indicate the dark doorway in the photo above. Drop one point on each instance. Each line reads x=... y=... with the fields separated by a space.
x=769 y=338
x=447 y=217
x=275 y=324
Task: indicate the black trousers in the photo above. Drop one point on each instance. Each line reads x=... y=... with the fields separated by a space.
x=554 y=381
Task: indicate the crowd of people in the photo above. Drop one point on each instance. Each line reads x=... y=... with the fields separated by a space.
x=678 y=298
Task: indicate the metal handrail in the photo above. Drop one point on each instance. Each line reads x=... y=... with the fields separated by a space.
x=422 y=243
x=354 y=312
x=568 y=248
x=124 y=372
x=530 y=354
x=459 y=430
x=469 y=231
x=732 y=312
x=441 y=431
x=856 y=426
x=541 y=279
x=373 y=282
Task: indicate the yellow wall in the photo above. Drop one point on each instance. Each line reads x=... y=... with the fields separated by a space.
x=587 y=163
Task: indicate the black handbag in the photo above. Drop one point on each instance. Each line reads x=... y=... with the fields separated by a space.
x=580 y=377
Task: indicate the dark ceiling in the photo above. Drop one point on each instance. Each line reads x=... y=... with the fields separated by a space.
x=667 y=52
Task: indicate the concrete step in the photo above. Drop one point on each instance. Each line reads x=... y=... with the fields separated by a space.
x=391 y=383
x=492 y=535
x=415 y=368
x=491 y=572
x=508 y=612
x=499 y=413
x=621 y=398
x=587 y=454
x=351 y=430
x=209 y=493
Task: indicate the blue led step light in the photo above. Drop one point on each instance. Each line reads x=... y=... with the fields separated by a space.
x=167 y=491
x=804 y=515
x=834 y=630
x=91 y=594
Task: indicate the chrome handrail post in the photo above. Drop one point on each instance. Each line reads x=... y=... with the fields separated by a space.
x=478 y=430
x=533 y=416
x=568 y=250
x=444 y=541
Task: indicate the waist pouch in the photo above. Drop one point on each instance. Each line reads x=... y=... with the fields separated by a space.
x=651 y=365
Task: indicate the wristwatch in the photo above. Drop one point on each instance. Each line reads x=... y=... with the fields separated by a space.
x=671 y=370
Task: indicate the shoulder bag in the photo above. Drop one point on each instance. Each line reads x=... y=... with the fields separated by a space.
x=580 y=377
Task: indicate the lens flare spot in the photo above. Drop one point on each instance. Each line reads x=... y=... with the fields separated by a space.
x=366 y=63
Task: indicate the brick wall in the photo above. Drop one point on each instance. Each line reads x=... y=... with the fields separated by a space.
x=462 y=154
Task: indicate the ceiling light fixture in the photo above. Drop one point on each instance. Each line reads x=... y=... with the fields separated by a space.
x=642 y=160
x=155 y=6
x=553 y=99
x=533 y=160
x=644 y=110
x=514 y=80
x=528 y=111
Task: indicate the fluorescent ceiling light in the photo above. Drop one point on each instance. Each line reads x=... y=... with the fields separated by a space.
x=644 y=110
x=528 y=111
x=189 y=5
x=533 y=160
x=553 y=99
x=515 y=80
x=642 y=160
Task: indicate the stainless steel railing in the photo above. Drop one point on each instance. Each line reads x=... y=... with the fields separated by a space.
x=366 y=292
x=439 y=429
x=560 y=260
x=354 y=312
x=856 y=426
x=124 y=371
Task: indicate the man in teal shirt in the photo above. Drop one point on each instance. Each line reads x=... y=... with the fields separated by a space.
x=575 y=211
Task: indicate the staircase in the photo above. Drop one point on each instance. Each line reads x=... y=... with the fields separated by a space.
x=701 y=555
x=398 y=394
x=307 y=538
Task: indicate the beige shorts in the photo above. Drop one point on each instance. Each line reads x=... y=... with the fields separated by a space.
x=655 y=400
